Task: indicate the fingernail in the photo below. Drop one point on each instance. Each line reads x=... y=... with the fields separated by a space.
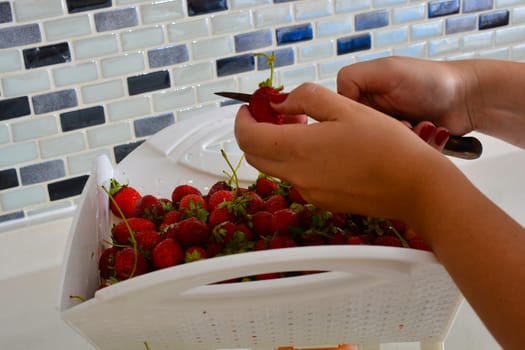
x=427 y=131
x=278 y=98
x=441 y=136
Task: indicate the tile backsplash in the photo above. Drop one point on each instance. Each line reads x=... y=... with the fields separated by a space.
x=84 y=78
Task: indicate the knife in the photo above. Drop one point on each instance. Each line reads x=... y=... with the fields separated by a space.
x=465 y=147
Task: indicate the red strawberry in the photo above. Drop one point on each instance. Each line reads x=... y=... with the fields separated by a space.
x=355 y=240
x=261 y=222
x=219 y=185
x=218 y=197
x=418 y=243
x=214 y=247
x=276 y=202
x=194 y=205
x=236 y=229
x=149 y=207
x=147 y=239
x=268 y=276
x=265 y=186
x=310 y=238
x=194 y=254
x=121 y=234
x=166 y=253
x=219 y=215
x=106 y=262
x=295 y=197
x=337 y=238
x=387 y=240
x=283 y=220
x=191 y=232
x=123 y=197
x=182 y=190
x=281 y=242
x=170 y=217
x=254 y=202
x=125 y=266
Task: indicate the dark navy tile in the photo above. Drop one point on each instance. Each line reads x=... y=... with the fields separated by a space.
x=20 y=35
x=353 y=43
x=477 y=5
x=235 y=65
x=82 y=118
x=168 y=56
x=8 y=179
x=493 y=19
x=149 y=126
x=40 y=172
x=74 y=6
x=460 y=24
x=14 y=107
x=121 y=151
x=253 y=40
x=116 y=19
x=54 y=101
x=442 y=8
x=200 y=7
x=148 y=82
x=66 y=188
x=12 y=216
x=283 y=57
x=369 y=20
x=292 y=34
x=5 y=12
x=46 y=55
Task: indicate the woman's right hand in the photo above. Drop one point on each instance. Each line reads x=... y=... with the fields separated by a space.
x=411 y=89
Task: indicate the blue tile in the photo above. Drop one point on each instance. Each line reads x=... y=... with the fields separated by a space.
x=280 y=1
x=369 y=20
x=46 y=55
x=74 y=6
x=14 y=108
x=200 y=7
x=20 y=35
x=253 y=40
x=12 y=216
x=460 y=24
x=150 y=125
x=148 y=82
x=5 y=12
x=168 y=56
x=292 y=34
x=54 y=101
x=442 y=8
x=283 y=57
x=116 y=19
x=493 y=19
x=235 y=65
x=8 y=179
x=66 y=188
x=477 y=5
x=82 y=118
x=40 y=172
x=353 y=43
x=121 y=151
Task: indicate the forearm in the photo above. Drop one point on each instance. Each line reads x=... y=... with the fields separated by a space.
x=495 y=97
x=481 y=247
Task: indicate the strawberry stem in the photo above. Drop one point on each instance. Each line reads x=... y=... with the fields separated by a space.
x=270 y=59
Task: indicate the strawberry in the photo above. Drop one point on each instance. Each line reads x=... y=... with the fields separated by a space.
x=253 y=203
x=130 y=263
x=238 y=228
x=195 y=253
x=147 y=239
x=192 y=202
x=259 y=104
x=295 y=197
x=418 y=243
x=106 y=262
x=268 y=276
x=387 y=240
x=182 y=190
x=276 y=202
x=219 y=185
x=123 y=197
x=261 y=222
x=219 y=215
x=265 y=186
x=283 y=220
x=166 y=253
x=218 y=197
x=281 y=242
x=170 y=217
x=355 y=240
x=191 y=232
x=213 y=246
x=149 y=207
x=121 y=234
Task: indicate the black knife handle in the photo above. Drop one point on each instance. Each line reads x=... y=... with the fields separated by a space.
x=466 y=147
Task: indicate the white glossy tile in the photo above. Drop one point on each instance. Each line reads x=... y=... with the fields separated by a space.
x=10 y=60
x=138 y=39
x=193 y=73
x=67 y=27
x=75 y=74
x=275 y=15
x=409 y=14
x=315 y=51
x=103 y=91
x=206 y=92
x=337 y=26
x=329 y=68
x=312 y=9
x=509 y=35
x=122 y=65
x=23 y=197
x=292 y=77
x=443 y=46
x=82 y=163
x=109 y=134
x=213 y=47
x=18 y=153
x=34 y=128
x=162 y=11
x=517 y=15
x=242 y=4
x=478 y=40
x=129 y=108
x=4 y=134
x=188 y=30
x=502 y=53
x=25 y=83
x=232 y=22
x=173 y=99
x=95 y=46
x=56 y=146
x=342 y=6
x=418 y=50
x=391 y=37
x=29 y=10
x=426 y=30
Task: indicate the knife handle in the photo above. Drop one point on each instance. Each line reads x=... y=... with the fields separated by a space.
x=466 y=147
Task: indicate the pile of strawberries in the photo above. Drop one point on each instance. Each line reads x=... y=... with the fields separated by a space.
x=154 y=233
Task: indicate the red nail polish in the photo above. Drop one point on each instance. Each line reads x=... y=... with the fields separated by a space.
x=278 y=98
x=441 y=137
x=426 y=131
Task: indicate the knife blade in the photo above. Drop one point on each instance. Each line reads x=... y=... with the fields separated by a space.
x=465 y=147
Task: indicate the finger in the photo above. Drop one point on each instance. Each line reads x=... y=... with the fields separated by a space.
x=425 y=130
x=440 y=138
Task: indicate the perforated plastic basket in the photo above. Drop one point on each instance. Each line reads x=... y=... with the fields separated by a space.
x=369 y=294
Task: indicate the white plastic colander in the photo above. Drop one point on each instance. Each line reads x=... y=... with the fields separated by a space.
x=368 y=294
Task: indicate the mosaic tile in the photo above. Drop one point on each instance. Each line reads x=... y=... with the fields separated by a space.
x=211 y=48
x=476 y=5
x=128 y=108
x=384 y=3
x=74 y=6
x=253 y=40
x=408 y=14
x=372 y=55
x=22 y=197
x=293 y=34
x=460 y=24
x=6 y=14
x=235 y=65
x=122 y=65
x=104 y=91
x=193 y=73
x=443 y=46
x=508 y=35
x=18 y=153
x=29 y=10
x=518 y=15
x=121 y=151
x=200 y=7
x=20 y=35
x=312 y=9
x=108 y=134
x=187 y=30
x=14 y=107
x=342 y=6
x=75 y=74
x=478 y=40
x=390 y=37
x=297 y=75
x=10 y=60
x=330 y=68
x=148 y=82
x=46 y=55
x=234 y=22
x=150 y=125
x=26 y=83
x=206 y=92
x=334 y=27
x=4 y=134
x=162 y=11
x=495 y=54
x=241 y=4
x=54 y=146
x=417 y=50
x=67 y=188
x=67 y=27
x=174 y=98
x=41 y=172
x=12 y=216
x=283 y=57
x=138 y=39
x=370 y=20
x=442 y=8
x=168 y=56
x=8 y=178
x=116 y=19
x=353 y=43
x=268 y=16
x=83 y=163
x=82 y=118
x=426 y=30
x=54 y=101
x=95 y=46
x=315 y=51
x=34 y=128
x=518 y=53
x=493 y=19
